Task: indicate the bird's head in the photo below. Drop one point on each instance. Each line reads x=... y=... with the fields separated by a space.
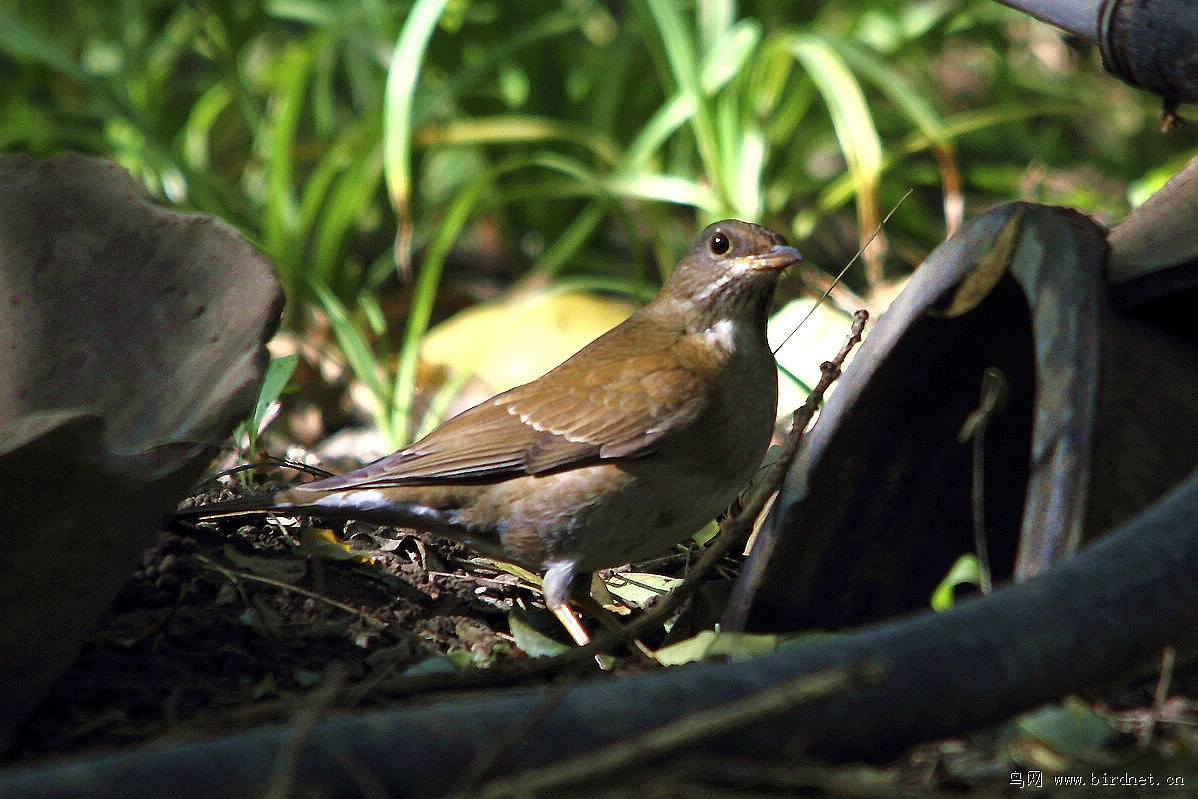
x=729 y=274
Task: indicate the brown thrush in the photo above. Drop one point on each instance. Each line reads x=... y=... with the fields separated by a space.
x=628 y=447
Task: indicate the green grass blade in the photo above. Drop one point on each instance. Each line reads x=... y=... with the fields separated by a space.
x=281 y=212
x=903 y=93
x=851 y=119
x=680 y=50
x=278 y=372
x=424 y=293
x=840 y=190
x=730 y=55
x=511 y=129
x=357 y=352
x=402 y=74
x=665 y=188
x=349 y=199
x=664 y=123
x=23 y=43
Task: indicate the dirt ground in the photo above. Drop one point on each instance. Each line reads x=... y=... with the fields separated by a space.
x=223 y=627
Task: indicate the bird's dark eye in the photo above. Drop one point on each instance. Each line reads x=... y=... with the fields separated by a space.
x=720 y=244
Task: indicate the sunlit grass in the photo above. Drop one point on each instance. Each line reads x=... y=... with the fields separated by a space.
x=356 y=143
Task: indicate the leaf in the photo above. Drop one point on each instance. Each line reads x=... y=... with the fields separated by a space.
x=355 y=347
x=709 y=644
x=531 y=639
x=730 y=55
x=851 y=119
x=509 y=343
x=278 y=372
x=989 y=269
x=421 y=309
x=20 y=41
x=637 y=589
x=1070 y=728
x=432 y=665
x=966 y=571
x=323 y=543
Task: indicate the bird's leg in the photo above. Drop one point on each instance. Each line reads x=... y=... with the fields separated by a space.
x=569 y=619
x=556 y=587
x=587 y=601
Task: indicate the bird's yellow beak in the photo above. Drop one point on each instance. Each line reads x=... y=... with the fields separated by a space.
x=780 y=257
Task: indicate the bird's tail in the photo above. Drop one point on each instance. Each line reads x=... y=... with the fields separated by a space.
x=329 y=507
x=227 y=508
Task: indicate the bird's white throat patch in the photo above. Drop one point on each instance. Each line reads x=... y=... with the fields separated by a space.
x=723 y=334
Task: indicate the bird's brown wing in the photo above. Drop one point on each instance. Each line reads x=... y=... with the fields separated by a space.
x=613 y=409
x=606 y=405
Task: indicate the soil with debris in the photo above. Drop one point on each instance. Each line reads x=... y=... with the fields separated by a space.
x=225 y=627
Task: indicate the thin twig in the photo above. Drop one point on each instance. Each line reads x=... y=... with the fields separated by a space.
x=995 y=388
x=233 y=576
x=684 y=733
x=1160 y=696
x=836 y=281
x=263 y=462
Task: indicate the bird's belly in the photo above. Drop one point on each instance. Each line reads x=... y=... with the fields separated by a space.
x=602 y=515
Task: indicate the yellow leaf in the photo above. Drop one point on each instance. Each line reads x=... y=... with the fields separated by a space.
x=321 y=542
x=511 y=342
x=993 y=264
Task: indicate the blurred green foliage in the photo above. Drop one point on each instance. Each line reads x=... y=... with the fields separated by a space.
x=344 y=136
